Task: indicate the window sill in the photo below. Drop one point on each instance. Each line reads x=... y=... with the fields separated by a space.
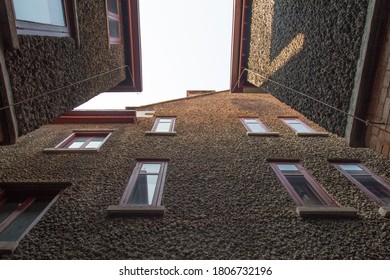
x=59 y=150
x=128 y=210
x=154 y=133
x=264 y=134
x=8 y=246
x=312 y=134
x=326 y=212
x=385 y=211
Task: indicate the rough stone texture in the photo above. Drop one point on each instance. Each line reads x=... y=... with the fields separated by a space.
x=222 y=199
x=312 y=47
x=43 y=64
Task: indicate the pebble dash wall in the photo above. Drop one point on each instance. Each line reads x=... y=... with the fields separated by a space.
x=43 y=64
x=222 y=199
x=324 y=60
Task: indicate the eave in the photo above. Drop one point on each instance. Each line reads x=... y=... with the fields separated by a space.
x=97 y=116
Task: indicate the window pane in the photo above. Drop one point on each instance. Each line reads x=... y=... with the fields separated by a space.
x=112 y=6
x=151 y=167
x=255 y=127
x=163 y=127
x=95 y=143
x=114 y=28
x=291 y=121
x=375 y=187
x=77 y=142
x=40 y=11
x=288 y=168
x=165 y=121
x=144 y=189
x=248 y=121
x=300 y=127
x=304 y=191
x=352 y=168
x=21 y=223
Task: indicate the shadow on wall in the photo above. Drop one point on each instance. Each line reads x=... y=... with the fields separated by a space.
x=272 y=59
x=312 y=47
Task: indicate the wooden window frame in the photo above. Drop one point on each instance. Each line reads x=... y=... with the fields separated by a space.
x=257 y=121
x=31 y=192
x=115 y=17
x=134 y=176
x=311 y=132
x=170 y=132
x=63 y=146
x=300 y=121
x=249 y=132
x=315 y=186
x=368 y=172
x=155 y=208
x=157 y=121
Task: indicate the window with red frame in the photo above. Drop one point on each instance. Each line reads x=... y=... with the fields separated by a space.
x=84 y=140
x=114 y=21
x=164 y=124
x=43 y=17
x=371 y=184
x=21 y=207
x=304 y=190
x=146 y=183
x=297 y=125
x=254 y=125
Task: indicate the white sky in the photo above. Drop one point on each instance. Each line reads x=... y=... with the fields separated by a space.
x=185 y=46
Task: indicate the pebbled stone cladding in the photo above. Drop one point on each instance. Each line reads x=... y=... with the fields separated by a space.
x=323 y=67
x=222 y=199
x=43 y=64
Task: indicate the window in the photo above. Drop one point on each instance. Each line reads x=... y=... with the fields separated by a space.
x=44 y=17
x=143 y=193
x=300 y=128
x=371 y=184
x=304 y=190
x=255 y=127
x=113 y=19
x=21 y=207
x=163 y=126
x=83 y=141
x=310 y=197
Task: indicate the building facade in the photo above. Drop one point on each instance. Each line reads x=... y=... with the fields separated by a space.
x=219 y=193
x=326 y=59
x=54 y=62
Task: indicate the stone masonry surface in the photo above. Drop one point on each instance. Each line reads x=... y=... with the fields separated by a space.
x=222 y=199
x=323 y=67
x=43 y=64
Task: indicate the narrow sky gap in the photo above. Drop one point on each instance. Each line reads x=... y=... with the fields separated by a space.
x=185 y=44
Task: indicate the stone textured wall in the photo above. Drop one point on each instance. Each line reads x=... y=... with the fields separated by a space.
x=43 y=64
x=312 y=47
x=379 y=111
x=222 y=199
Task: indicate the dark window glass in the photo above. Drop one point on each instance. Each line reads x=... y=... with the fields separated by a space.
x=145 y=184
x=371 y=184
x=304 y=191
x=114 y=28
x=374 y=187
x=112 y=6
